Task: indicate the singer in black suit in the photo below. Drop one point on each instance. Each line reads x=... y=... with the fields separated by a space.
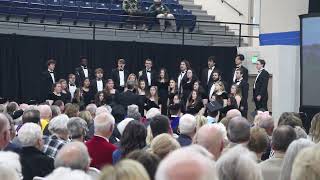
x=98 y=83
x=129 y=97
x=238 y=61
x=244 y=87
x=206 y=74
x=260 y=88
x=82 y=71
x=117 y=73
x=148 y=71
x=48 y=78
x=182 y=76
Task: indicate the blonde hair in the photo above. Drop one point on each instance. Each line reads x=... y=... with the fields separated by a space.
x=306 y=165
x=149 y=137
x=201 y=120
x=125 y=170
x=86 y=115
x=163 y=144
x=315 y=128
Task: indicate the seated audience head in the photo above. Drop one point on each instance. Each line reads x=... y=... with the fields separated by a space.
x=45 y=112
x=58 y=126
x=152 y=113
x=55 y=110
x=86 y=115
x=2 y=108
x=238 y=163
x=187 y=164
x=200 y=121
x=238 y=130
x=133 y=112
x=102 y=109
x=60 y=104
x=163 y=144
x=266 y=122
x=73 y=155
x=123 y=124
x=187 y=125
x=315 y=128
x=104 y=124
x=11 y=107
x=133 y=137
x=282 y=137
x=63 y=173
x=71 y=110
x=301 y=133
x=294 y=148
x=160 y=124
x=210 y=137
x=31 y=115
x=30 y=135
x=149 y=161
x=290 y=119
x=233 y=113
x=77 y=129
x=92 y=109
x=259 y=141
x=125 y=170
x=306 y=164
x=11 y=162
x=4 y=131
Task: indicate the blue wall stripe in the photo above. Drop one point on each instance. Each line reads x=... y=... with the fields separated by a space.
x=281 y=38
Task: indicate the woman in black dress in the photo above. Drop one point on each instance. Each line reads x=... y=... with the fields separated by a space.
x=194 y=103
x=56 y=93
x=99 y=99
x=172 y=91
x=162 y=84
x=87 y=92
x=188 y=85
x=78 y=99
x=220 y=95
x=65 y=90
x=197 y=87
x=110 y=93
x=152 y=100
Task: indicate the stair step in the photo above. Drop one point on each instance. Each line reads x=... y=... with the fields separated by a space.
x=205 y=18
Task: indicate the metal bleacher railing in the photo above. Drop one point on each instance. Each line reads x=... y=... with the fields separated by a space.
x=107 y=12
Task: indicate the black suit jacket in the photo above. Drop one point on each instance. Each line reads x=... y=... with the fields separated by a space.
x=94 y=86
x=261 y=85
x=204 y=77
x=127 y=98
x=245 y=73
x=183 y=81
x=244 y=87
x=47 y=83
x=35 y=163
x=116 y=79
x=145 y=78
x=80 y=75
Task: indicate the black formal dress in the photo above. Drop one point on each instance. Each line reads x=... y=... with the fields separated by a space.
x=47 y=83
x=244 y=87
x=67 y=96
x=55 y=97
x=163 y=96
x=80 y=75
x=171 y=96
x=35 y=163
x=221 y=97
x=127 y=98
x=88 y=96
x=261 y=88
x=194 y=108
x=148 y=104
x=116 y=78
x=143 y=76
x=186 y=89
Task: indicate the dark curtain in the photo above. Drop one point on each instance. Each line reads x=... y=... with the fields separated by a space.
x=314 y=6
x=23 y=58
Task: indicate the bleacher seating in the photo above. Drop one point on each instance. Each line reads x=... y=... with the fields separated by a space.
x=109 y=12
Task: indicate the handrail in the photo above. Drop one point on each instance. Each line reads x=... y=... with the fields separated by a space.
x=232 y=7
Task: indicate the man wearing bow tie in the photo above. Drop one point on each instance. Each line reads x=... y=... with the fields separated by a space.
x=98 y=83
x=182 y=77
x=148 y=74
x=244 y=88
x=260 y=87
x=206 y=75
x=72 y=84
x=82 y=71
x=119 y=75
x=238 y=61
x=48 y=78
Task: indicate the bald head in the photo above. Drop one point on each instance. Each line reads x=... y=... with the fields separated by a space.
x=104 y=124
x=238 y=130
x=233 y=113
x=186 y=164
x=4 y=131
x=45 y=112
x=210 y=137
x=73 y=155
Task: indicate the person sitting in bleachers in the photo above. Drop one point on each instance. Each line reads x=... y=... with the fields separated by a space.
x=162 y=13
x=131 y=8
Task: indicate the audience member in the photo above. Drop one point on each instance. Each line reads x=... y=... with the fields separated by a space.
x=301 y=133
x=211 y=138
x=187 y=128
x=63 y=173
x=291 y=119
x=125 y=170
x=266 y=122
x=238 y=131
x=55 y=110
x=281 y=138
x=294 y=148
x=10 y=166
x=4 y=131
x=33 y=161
x=133 y=112
x=200 y=121
x=7 y=173
x=71 y=110
x=152 y=113
x=45 y=115
x=162 y=12
x=259 y=141
x=99 y=147
x=77 y=129
x=175 y=113
x=92 y=108
x=238 y=163
x=186 y=164
x=160 y=124
x=163 y=144
x=86 y=115
x=314 y=132
x=60 y=104
x=58 y=129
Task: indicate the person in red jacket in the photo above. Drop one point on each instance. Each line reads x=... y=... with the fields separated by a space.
x=99 y=147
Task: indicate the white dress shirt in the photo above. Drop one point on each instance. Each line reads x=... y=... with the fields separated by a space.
x=149 y=77
x=212 y=90
x=52 y=76
x=72 y=89
x=121 y=76
x=85 y=71
x=209 y=73
x=238 y=82
x=234 y=74
x=259 y=72
x=180 y=78
x=99 y=85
